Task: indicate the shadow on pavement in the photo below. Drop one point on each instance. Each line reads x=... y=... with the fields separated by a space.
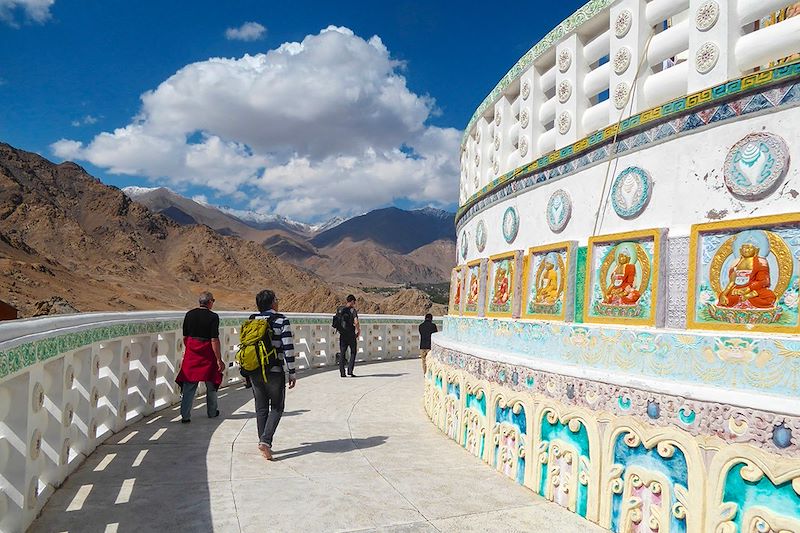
x=329 y=446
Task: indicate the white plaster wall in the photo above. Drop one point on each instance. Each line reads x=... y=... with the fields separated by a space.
x=688 y=188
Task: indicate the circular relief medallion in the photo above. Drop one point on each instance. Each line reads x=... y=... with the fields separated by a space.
x=524 y=118
x=526 y=89
x=523 y=146
x=477 y=160
x=480 y=236
x=622 y=60
x=621 y=95
x=496 y=167
x=564 y=60
x=707 y=15
x=559 y=211
x=623 y=23
x=497 y=119
x=497 y=142
x=478 y=136
x=631 y=191
x=564 y=91
x=756 y=165
x=706 y=57
x=464 y=245
x=510 y=225
x=564 y=122
x=475 y=182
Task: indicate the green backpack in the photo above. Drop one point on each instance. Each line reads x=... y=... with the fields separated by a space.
x=255 y=345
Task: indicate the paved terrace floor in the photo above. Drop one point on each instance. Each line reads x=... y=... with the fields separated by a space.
x=351 y=455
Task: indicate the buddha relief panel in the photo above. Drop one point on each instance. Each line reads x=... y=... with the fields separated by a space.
x=502 y=284
x=456 y=290
x=623 y=276
x=549 y=290
x=472 y=285
x=744 y=275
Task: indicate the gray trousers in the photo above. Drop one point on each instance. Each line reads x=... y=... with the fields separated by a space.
x=270 y=397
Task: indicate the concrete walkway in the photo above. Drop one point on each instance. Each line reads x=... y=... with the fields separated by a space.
x=352 y=455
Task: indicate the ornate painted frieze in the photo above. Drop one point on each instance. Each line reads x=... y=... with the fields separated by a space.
x=756 y=165
x=510 y=224
x=776 y=87
x=559 y=211
x=631 y=191
x=548 y=282
x=744 y=275
x=623 y=276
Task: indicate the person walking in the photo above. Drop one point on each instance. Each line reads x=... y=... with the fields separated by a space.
x=202 y=358
x=426 y=329
x=269 y=392
x=346 y=323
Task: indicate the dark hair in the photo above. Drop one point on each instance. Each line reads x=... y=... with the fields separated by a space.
x=351 y=298
x=429 y=317
x=264 y=300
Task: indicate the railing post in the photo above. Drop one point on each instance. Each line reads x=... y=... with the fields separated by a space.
x=629 y=35
x=714 y=29
x=571 y=102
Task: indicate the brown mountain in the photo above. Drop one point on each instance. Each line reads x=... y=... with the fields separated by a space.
x=66 y=237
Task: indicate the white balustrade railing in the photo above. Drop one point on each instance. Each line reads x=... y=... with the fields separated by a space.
x=612 y=63
x=68 y=383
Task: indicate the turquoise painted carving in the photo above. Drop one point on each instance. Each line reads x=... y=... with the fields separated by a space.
x=559 y=211
x=564 y=463
x=631 y=192
x=510 y=224
x=480 y=236
x=752 y=502
x=756 y=165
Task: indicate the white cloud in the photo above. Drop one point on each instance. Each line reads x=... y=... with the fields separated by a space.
x=312 y=129
x=249 y=31
x=88 y=119
x=35 y=10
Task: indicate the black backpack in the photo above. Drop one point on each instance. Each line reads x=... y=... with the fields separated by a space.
x=342 y=319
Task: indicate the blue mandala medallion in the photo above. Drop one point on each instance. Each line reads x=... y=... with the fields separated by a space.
x=756 y=165
x=631 y=192
x=480 y=236
x=510 y=225
x=559 y=211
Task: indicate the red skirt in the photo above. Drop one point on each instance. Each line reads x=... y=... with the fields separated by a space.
x=199 y=363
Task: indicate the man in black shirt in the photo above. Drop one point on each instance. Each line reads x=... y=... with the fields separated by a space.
x=202 y=358
x=426 y=329
x=349 y=332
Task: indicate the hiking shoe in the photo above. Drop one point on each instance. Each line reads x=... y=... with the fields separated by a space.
x=185 y=420
x=265 y=450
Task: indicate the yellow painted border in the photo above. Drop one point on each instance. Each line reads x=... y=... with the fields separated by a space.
x=459 y=272
x=568 y=282
x=489 y=281
x=471 y=264
x=764 y=222
x=655 y=274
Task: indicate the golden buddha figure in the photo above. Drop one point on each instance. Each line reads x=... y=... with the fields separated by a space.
x=622 y=289
x=474 y=289
x=749 y=277
x=547 y=285
x=501 y=285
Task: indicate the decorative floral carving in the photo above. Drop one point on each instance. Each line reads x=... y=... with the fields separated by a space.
x=526 y=89
x=478 y=136
x=756 y=165
x=559 y=211
x=621 y=95
x=707 y=15
x=622 y=60
x=564 y=60
x=564 y=91
x=497 y=142
x=564 y=122
x=498 y=117
x=622 y=24
x=477 y=160
x=524 y=118
x=523 y=146
x=510 y=224
x=496 y=167
x=706 y=57
x=631 y=192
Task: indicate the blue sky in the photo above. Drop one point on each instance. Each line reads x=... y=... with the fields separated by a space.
x=339 y=108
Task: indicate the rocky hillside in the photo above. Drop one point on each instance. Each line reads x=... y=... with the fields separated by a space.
x=67 y=241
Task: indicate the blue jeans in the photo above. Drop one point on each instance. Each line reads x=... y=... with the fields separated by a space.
x=189 y=390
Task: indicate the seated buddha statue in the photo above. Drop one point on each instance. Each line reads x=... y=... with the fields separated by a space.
x=748 y=281
x=474 y=289
x=547 y=290
x=501 y=294
x=622 y=290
